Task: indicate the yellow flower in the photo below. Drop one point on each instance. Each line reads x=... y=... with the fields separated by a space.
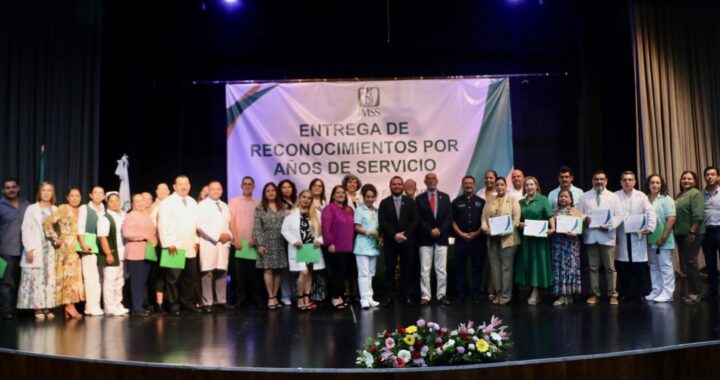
x=482 y=345
x=409 y=340
x=411 y=329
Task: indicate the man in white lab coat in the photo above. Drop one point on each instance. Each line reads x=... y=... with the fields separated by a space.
x=632 y=257
x=215 y=237
x=177 y=227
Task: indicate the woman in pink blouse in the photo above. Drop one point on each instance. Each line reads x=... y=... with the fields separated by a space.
x=138 y=231
x=338 y=227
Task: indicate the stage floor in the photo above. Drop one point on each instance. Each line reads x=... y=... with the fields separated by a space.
x=288 y=339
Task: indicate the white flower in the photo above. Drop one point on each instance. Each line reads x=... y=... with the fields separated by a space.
x=471 y=331
x=368 y=359
x=405 y=355
x=471 y=347
x=454 y=333
x=439 y=351
x=448 y=345
x=495 y=337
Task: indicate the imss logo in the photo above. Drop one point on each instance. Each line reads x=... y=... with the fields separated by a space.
x=369 y=101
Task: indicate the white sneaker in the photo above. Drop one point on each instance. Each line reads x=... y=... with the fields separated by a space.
x=661 y=299
x=650 y=297
x=373 y=303
x=94 y=313
x=119 y=312
x=364 y=304
x=286 y=301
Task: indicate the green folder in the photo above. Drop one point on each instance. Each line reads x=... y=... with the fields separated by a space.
x=247 y=252
x=308 y=254
x=91 y=241
x=3 y=266
x=657 y=234
x=172 y=261
x=150 y=253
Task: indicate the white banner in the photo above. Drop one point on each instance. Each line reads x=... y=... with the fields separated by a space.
x=374 y=130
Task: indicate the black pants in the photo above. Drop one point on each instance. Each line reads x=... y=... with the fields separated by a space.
x=477 y=251
x=339 y=263
x=138 y=270
x=711 y=246
x=9 y=284
x=189 y=282
x=409 y=268
x=247 y=281
x=633 y=278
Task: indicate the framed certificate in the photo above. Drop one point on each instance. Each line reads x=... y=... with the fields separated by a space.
x=600 y=217
x=535 y=228
x=635 y=223
x=501 y=225
x=566 y=224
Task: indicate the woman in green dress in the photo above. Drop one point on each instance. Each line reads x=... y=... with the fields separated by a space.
x=533 y=265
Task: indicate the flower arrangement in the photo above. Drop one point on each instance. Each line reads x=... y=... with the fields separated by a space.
x=427 y=344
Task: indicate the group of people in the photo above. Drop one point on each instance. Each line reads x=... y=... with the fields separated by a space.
x=308 y=247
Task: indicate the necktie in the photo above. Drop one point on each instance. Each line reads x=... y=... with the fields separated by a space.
x=432 y=202
x=184 y=202
x=597 y=198
x=218 y=206
x=397 y=207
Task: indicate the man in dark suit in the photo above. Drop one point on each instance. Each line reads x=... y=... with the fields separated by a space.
x=398 y=218
x=435 y=221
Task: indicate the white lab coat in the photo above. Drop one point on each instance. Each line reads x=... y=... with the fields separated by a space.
x=609 y=201
x=177 y=224
x=212 y=222
x=635 y=203
x=33 y=236
x=291 y=232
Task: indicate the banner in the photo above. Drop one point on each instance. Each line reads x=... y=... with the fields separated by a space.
x=374 y=129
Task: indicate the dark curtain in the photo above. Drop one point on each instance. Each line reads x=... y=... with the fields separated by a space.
x=49 y=91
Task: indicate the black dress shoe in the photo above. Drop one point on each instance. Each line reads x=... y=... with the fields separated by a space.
x=207 y=309
x=409 y=302
x=8 y=316
x=142 y=314
x=227 y=306
x=175 y=310
x=709 y=296
x=386 y=302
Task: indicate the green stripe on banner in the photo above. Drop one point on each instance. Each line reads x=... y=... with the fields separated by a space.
x=234 y=111
x=494 y=149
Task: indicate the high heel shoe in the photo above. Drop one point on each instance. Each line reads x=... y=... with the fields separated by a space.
x=69 y=315
x=48 y=314
x=39 y=315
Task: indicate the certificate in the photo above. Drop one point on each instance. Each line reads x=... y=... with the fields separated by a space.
x=308 y=254
x=657 y=234
x=536 y=228
x=150 y=254
x=90 y=240
x=566 y=224
x=3 y=266
x=501 y=225
x=635 y=223
x=176 y=261
x=600 y=217
x=247 y=252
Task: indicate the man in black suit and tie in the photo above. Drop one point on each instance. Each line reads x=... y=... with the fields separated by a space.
x=435 y=222
x=398 y=217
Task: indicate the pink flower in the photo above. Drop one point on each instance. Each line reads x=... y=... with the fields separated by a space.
x=390 y=343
